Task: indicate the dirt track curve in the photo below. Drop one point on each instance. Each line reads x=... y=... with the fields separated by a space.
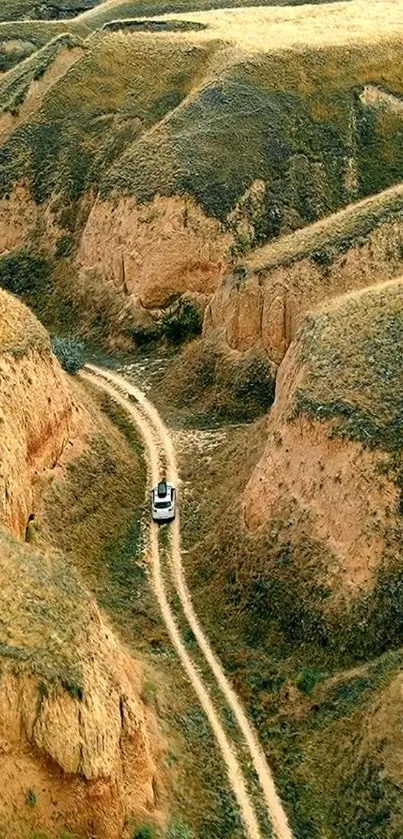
x=160 y=451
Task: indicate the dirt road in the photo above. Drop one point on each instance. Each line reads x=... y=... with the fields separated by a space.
x=160 y=451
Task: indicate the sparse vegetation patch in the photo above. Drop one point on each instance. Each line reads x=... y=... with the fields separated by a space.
x=205 y=386
x=27 y=275
x=353 y=365
x=14 y=88
x=181 y=322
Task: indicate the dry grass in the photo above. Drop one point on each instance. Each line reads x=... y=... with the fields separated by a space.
x=130 y=91
x=20 y=39
x=19 y=330
x=45 y=612
x=276 y=96
x=14 y=86
x=20 y=9
x=120 y=9
x=206 y=387
x=352 y=356
x=318 y=26
x=35 y=32
x=333 y=232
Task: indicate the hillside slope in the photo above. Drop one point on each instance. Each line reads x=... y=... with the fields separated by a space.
x=38 y=416
x=143 y=195
x=74 y=742
x=39 y=10
x=299 y=577
x=74 y=749
x=335 y=418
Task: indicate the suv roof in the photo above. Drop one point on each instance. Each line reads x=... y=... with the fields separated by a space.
x=162 y=489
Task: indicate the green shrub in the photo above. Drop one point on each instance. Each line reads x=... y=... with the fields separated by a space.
x=145 y=831
x=70 y=352
x=9 y=59
x=253 y=383
x=42 y=689
x=31 y=798
x=144 y=334
x=64 y=246
x=181 y=323
x=73 y=689
x=322 y=258
x=307 y=679
x=212 y=386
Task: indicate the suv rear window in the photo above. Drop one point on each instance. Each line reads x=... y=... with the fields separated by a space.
x=161 y=505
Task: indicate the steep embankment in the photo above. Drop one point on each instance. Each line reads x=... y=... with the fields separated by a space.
x=74 y=744
x=332 y=458
x=74 y=750
x=37 y=413
x=185 y=169
x=299 y=576
x=260 y=305
x=310 y=467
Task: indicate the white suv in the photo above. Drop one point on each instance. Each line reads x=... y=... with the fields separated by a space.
x=163 y=502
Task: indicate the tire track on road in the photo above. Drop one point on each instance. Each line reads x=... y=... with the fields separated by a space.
x=234 y=772
x=159 y=437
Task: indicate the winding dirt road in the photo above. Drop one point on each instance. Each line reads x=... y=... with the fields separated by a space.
x=160 y=452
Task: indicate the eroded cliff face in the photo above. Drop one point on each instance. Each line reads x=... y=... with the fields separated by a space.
x=18 y=216
x=38 y=415
x=74 y=740
x=307 y=478
x=80 y=744
x=23 y=221
x=263 y=307
x=125 y=261
x=152 y=253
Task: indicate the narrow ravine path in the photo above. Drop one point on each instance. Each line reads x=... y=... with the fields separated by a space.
x=160 y=451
